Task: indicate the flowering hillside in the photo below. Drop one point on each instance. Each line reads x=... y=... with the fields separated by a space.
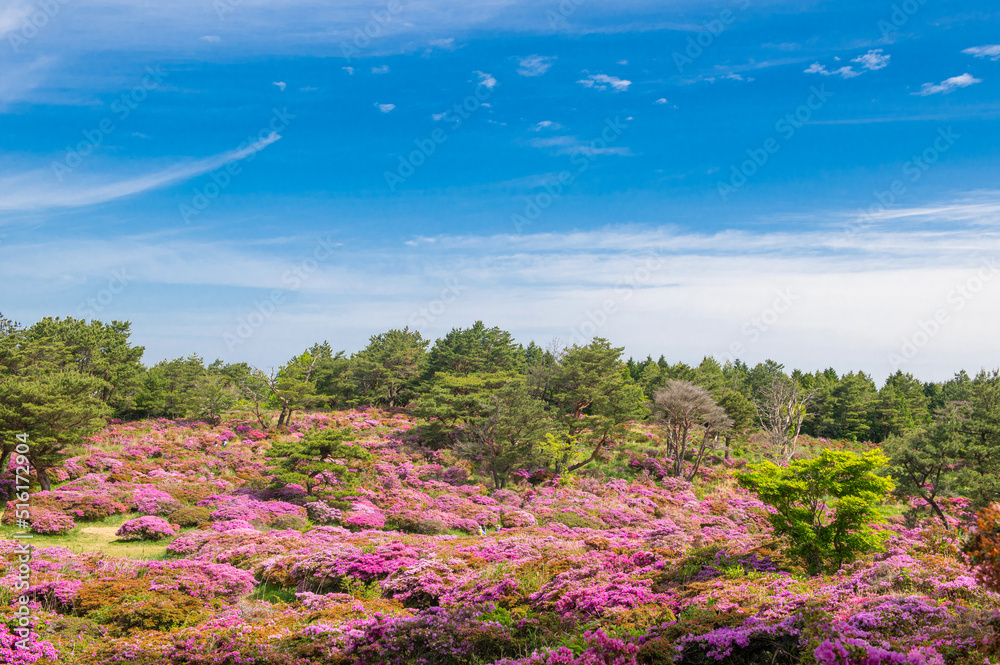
x=420 y=563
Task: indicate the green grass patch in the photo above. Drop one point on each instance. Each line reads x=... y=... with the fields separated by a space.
x=100 y=537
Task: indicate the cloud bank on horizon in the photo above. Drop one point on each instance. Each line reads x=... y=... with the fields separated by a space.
x=524 y=156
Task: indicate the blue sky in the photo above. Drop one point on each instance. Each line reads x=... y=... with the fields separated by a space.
x=813 y=182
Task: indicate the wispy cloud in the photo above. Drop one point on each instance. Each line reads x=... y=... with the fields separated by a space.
x=704 y=286
x=534 y=65
x=546 y=124
x=384 y=69
x=385 y=108
x=281 y=85
x=603 y=82
x=991 y=51
x=871 y=61
x=36 y=190
x=572 y=145
x=486 y=80
x=947 y=86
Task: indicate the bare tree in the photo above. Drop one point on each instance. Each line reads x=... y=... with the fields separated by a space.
x=684 y=406
x=781 y=408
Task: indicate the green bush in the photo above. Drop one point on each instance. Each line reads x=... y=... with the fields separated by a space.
x=190 y=516
x=824 y=505
x=289 y=522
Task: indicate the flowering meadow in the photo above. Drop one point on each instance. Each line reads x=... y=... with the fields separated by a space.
x=422 y=563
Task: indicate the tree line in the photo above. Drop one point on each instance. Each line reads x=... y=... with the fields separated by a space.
x=503 y=404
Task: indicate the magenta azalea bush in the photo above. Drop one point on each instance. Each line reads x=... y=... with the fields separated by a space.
x=146 y=528
x=421 y=564
x=51 y=522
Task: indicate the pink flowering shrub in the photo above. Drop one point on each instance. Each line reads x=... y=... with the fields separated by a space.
x=364 y=521
x=200 y=579
x=30 y=651
x=51 y=522
x=146 y=528
x=423 y=563
x=151 y=501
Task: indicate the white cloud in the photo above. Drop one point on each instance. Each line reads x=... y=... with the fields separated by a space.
x=447 y=44
x=534 y=65
x=843 y=72
x=873 y=60
x=703 y=287
x=349 y=70
x=437 y=117
x=211 y=38
x=385 y=108
x=13 y=15
x=546 y=124
x=384 y=69
x=36 y=190
x=661 y=100
x=573 y=145
x=603 y=82
x=486 y=80
x=991 y=51
x=281 y=85
x=948 y=85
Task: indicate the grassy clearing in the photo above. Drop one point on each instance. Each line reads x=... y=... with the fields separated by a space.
x=99 y=537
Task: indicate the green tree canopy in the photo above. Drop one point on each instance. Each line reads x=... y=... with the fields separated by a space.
x=475 y=350
x=506 y=431
x=825 y=505
x=385 y=373
x=596 y=397
x=43 y=395
x=326 y=461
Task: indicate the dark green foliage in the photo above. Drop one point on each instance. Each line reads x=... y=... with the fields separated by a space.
x=47 y=394
x=385 y=373
x=505 y=431
x=98 y=350
x=960 y=452
x=324 y=460
x=595 y=396
x=475 y=350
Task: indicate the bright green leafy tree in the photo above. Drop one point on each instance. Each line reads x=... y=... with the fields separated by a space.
x=825 y=505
